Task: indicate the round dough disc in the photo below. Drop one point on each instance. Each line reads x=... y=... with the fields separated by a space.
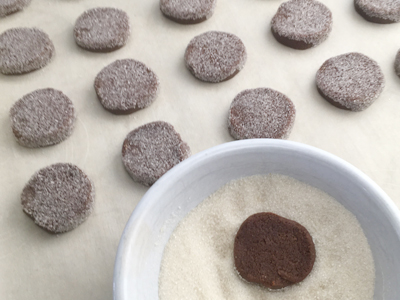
x=42 y=118
x=215 y=56
x=350 y=81
x=261 y=113
x=23 y=50
x=149 y=151
x=8 y=7
x=273 y=251
x=59 y=197
x=102 y=29
x=379 y=11
x=126 y=86
x=302 y=24
x=188 y=11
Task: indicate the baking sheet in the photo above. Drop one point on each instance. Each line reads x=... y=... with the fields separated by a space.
x=79 y=264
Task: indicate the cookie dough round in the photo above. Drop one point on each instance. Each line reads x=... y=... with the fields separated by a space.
x=273 y=251
x=102 y=29
x=188 y=11
x=350 y=81
x=126 y=86
x=397 y=63
x=261 y=113
x=215 y=56
x=302 y=24
x=59 y=197
x=8 y=7
x=42 y=118
x=23 y=50
x=149 y=151
x=379 y=11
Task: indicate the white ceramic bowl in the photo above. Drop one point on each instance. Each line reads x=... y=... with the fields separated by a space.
x=186 y=185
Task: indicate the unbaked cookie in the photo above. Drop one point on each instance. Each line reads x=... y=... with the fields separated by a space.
x=102 y=29
x=215 y=56
x=261 y=113
x=149 y=151
x=350 y=81
x=59 y=197
x=302 y=24
x=23 y=50
x=397 y=63
x=8 y=7
x=188 y=11
x=42 y=118
x=273 y=251
x=379 y=11
x=126 y=86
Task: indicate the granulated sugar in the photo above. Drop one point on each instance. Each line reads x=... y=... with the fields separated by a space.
x=198 y=259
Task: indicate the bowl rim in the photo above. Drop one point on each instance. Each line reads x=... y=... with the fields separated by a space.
x=235 y=146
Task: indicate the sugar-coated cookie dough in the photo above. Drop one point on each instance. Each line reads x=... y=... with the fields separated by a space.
x=102 y=29
x=59 y=197
x=397 y=63
x=126 y=86
x=23 y=50
x=188 y=11
x=379 y=11
x=42 y=118
x=273 y=251
x=350 y=81
x=302 y=24
x=261 y=113
x=8 y=7
x=149 y=151
x=215 y=56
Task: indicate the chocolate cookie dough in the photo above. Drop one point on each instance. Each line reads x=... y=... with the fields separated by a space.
x=273 y=251
x=302 y=24
x=187 y=11
x=59 y=197
x=215 y=56
x=23 y=50
x=151 y=150
x=379 y=11
x=350 y=81
x=126 y=86
x=261 y=113
x=102 y=29
x=42 y=118
x=397 y=63
x=8 y=7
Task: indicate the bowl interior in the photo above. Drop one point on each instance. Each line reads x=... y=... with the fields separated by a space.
x=185 y=186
